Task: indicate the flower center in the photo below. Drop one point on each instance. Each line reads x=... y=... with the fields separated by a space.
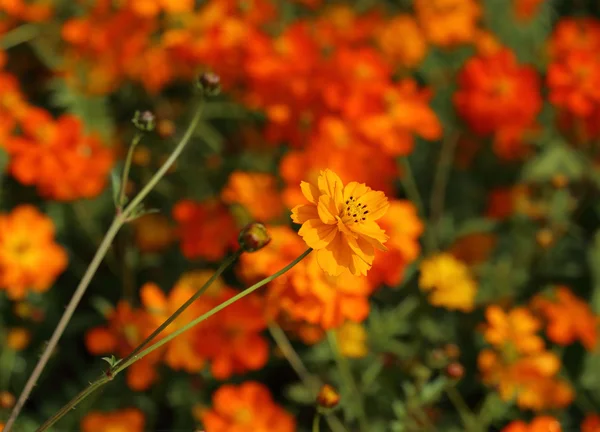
x=355 y=210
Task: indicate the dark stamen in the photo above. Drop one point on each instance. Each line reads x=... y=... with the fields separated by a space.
x=366 y=211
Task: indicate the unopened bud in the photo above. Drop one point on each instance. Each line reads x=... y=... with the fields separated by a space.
x=455 y=370
x=452 y=351
x=209 y=83
x=253 y=237
x=545 y=237
x=328 y=397
x=7 y=400
x=144 y=121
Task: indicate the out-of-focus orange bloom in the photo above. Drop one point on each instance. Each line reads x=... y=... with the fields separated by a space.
x=449 y=282
x=18 y=338
x=29 y=257
x=29 y=11
x=406 y=51
x=526 y=9
x=487 y=43
x=126 y=329
x=498 y=96
x=248 y=407
x=231 y=340
x=518 y=366
x=153 y=8
x=128 y=419
x=539 y=424
x=574 y=82
x=57 y=158
x=153 y=233
x=206 y=230
x=575 y=34
x=517 y=328
x=569 y=318
x=340 y=25
x=257 y=192
x=448 y=22
x=402 y=224
x=591 y=423
x=474 y=249
x=340 y=223
x=181 y=352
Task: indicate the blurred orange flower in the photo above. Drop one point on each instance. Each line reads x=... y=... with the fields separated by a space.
x=574 y=34
x=591 y=423
x=569 y=318
x=526 y=9
x=448 y=22
x=29 y=257
x=340 y=223
x=406 y=51
x=246 y=408
x=57 y=158
x=539 y=424
x=517 y=328
x=257 y=192
x=126 y=329
x=153 y=233
x=449 y=282
x=206 y=230
x=127 y=419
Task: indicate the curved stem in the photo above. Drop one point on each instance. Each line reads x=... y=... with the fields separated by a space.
x=117 y=223
x=121 y=366
x=316 y=422
x=125 y=177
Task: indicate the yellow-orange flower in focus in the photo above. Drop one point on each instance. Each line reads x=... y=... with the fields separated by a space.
x=448 y=22
x=180 y=352
x=406 y=51
x=206 y=230
x=257 y=192
x=352 y=340
x=248 y=407
x=340 y=223
x=126 y=328
x=517 y=327
x=231 y=341
x=402 y=224
x=539 y=424
x=29 y=257
x=18 y=338
x=591 y=423
x=569 y=318
x=124 y=420
x=449 y=282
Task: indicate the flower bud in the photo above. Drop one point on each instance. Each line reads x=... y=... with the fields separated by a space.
x=209 y=84
x=144 y=121
x=253 y=237
x=455 y=370
x=7 y=400
x=328 y=397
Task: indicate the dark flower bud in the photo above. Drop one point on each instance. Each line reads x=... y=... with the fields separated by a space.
x=328 y=397
x=144 y=121
x=209 y=83
x=455 y=370
x=253 y=237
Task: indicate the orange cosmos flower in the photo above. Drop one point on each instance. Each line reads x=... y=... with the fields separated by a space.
x=517 y=327
x=340 y=223
x=448 y=22
x=128 y=419
x=575 y=34
x=126 y=329
x=539 y=424
x=591 y=423
x=406 y=51
x=207 y=230
x=257 y=192
x=248 y=407
x=569 y=318
x=29 y=257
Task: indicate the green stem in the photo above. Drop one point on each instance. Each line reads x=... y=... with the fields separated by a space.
x=125 y=177
x=230 y=260
x=410 y=186
x=316 y=422
x=19 y=35
x=118 y=221
x=122 y=365
x=466 y=416
x=348 y=380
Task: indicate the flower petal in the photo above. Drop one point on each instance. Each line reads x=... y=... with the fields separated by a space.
x=310 y=192
x=327 y=210
x=336 y=257
x=376 y=202
x=330 y=184
x=316 y=234
x=372 y=233
x=355 y=190
x=303 y=212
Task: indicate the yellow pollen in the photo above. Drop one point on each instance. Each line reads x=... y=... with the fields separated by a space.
x=355 y=211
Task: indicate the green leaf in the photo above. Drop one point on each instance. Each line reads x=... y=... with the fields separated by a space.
x=492 y=409
x=557 y=158
x=112 y=361
x=115 y=181
x=432 y=391
x=300 y=393
x=594 y=264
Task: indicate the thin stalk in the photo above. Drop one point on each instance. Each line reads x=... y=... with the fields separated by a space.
x=230 y=260
x=309 y=380
x=120 y=219
x=316 y=422
x=125 y=177
x=349 y=381
x=410 y=186
x=19 y=35
x=466 y=415
x=122 y=365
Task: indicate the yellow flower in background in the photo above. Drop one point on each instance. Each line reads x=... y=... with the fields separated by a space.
x=340 y=223
x=449 y=282
x=352 y=340
x=18 y=338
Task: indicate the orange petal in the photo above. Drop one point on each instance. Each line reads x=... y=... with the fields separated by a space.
x=153 y=298
x=303 y=212
x=376 y=202
x=326 y=209
x=336 y=257
x=316 y=234
x=331 y=184
x=310 y=192
x=355 y=190
x=372 y=233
